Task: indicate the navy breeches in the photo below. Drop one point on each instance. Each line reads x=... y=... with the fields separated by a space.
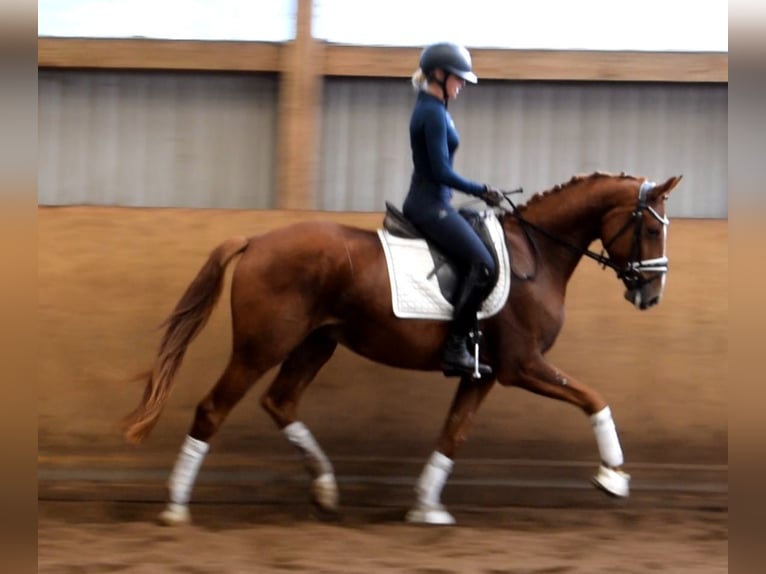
x=452 y=234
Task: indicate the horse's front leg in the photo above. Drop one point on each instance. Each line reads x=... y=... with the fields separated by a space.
x=540 y=377
x=428 y=508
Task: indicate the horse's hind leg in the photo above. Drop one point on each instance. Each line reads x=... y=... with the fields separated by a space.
x=542 y=378
x=428 y=508
x=281 y=402
x=240 y=374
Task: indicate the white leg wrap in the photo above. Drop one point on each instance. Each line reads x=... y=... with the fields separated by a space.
x=432 y=479
x=316 y=460
x=606 y=437
x=185 y=470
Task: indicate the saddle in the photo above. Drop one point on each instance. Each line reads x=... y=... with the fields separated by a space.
x=444 y=269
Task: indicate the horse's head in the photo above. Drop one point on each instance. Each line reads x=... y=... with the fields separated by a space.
x=634 y=234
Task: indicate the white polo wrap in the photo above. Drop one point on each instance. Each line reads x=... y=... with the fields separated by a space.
x=185 y=471
x=606 y=437
x=432 y=479
x=300 y=436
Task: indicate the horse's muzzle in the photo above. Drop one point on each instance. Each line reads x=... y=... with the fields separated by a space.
x=641 y=300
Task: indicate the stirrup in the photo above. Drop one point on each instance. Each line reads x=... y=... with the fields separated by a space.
x=479 y=369
x=455 y=372
x=475 y=337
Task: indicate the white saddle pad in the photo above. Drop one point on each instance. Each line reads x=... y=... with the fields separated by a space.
x=415 y=295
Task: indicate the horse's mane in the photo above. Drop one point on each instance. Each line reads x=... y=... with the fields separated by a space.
x=578 y=178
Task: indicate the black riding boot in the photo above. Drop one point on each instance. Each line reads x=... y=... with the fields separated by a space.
x=456 y=359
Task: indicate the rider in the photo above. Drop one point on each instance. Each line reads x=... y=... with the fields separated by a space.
x=444 y=69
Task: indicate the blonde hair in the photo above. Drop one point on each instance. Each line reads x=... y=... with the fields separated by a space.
x=419 y=80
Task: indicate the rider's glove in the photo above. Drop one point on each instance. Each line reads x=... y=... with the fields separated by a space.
x=492 y=196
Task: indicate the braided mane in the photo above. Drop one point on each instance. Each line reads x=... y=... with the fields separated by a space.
x=540 y=196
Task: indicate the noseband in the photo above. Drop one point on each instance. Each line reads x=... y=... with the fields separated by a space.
x=631 y=273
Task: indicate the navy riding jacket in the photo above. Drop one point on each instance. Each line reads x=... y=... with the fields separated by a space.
x=434 y=139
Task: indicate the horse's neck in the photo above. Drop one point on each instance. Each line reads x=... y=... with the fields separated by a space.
x=573 y=215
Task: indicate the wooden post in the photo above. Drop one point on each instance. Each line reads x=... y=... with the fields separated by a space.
x=300 y=100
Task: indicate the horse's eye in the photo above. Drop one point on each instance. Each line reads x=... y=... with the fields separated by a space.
x=653 y=232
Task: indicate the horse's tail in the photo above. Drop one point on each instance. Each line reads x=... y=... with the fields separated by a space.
x=185 y=322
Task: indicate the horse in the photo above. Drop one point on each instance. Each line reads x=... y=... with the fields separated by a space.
x=299 y=291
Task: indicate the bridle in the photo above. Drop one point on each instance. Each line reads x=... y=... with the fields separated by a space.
x=658 y=266
x=631 y=273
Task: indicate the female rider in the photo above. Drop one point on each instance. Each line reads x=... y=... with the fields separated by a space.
x=444 y=69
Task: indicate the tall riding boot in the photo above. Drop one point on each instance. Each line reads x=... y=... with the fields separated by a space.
x=456 y=359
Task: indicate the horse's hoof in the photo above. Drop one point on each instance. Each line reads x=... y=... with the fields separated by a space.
x=324 y=514
x=430 y=515
x=613 y=482
x=325 y=493
x=174 y=515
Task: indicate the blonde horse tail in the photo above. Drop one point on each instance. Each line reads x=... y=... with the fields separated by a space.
x=182 y=326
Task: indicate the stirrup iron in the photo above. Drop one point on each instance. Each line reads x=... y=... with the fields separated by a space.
x=475 y=337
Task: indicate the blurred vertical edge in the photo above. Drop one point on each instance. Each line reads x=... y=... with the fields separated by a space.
x=18 y=248
x=747 y=208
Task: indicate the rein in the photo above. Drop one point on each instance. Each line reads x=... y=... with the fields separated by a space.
x=631 y=273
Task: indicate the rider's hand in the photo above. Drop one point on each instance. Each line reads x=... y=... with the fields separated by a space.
x=492 y=196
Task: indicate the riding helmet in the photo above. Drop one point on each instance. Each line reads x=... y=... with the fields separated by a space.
x=450 y=57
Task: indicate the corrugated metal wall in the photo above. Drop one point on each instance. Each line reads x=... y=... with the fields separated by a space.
x=208 y=140
x=532 y=135
x=156 y=139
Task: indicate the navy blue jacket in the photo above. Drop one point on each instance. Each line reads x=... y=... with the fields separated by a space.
x=434 y=139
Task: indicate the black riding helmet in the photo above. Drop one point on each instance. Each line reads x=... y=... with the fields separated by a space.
x=451 y=58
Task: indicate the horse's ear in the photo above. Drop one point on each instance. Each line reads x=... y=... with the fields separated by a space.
x=664 y=189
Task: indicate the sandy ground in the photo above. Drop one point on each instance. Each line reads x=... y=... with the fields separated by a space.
x=102 y=537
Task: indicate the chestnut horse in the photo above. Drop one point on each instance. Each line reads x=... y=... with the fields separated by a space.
x=299 y=291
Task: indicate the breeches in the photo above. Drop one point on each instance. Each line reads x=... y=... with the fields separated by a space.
x=453 y=235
